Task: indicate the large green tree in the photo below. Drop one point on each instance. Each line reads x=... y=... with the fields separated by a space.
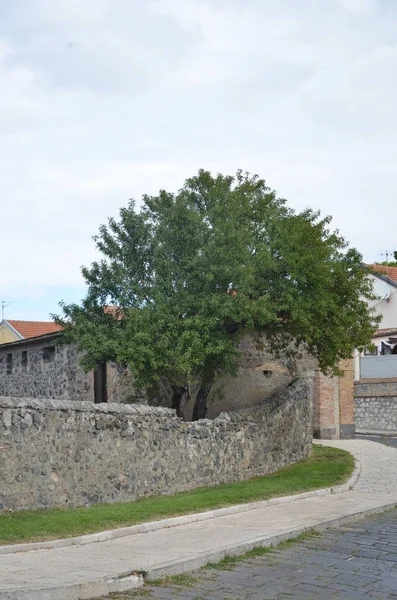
x=192 y=272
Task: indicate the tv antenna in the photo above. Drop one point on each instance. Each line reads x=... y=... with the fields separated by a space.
x=4 y=304
x=386 y=254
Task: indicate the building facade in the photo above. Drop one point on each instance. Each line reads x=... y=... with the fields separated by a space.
x=42 y=367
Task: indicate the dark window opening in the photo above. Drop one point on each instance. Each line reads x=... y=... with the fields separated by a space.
x=9 y=364
x=100 y=383
x=49 y=354
x=24 y=360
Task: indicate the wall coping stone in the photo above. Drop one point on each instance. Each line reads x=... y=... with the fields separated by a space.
x=46 y=404
x=376 y=380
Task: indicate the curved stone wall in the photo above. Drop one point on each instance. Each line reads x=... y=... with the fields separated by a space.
x=58 y=453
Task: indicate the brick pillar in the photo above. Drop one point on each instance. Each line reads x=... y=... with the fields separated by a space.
x=333 y=410
x=346 y=400
x=326 y=407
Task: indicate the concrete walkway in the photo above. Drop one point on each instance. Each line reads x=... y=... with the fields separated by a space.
x=94 y=569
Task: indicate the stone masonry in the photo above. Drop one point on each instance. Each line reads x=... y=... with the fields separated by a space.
x=58 y=453
x=43 y=368
x=375 y=405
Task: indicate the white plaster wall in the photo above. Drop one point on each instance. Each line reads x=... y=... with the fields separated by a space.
x=387 y=308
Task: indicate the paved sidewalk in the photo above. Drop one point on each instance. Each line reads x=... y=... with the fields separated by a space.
x=357 y=561
x=78 y=572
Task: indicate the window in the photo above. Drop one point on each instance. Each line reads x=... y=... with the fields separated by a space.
x=49 y=354
x=371 y=351
x=100 y=383
x=24 y=360
x=9 y=364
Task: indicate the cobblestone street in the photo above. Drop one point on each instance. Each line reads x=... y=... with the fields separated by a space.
x=380 y=439
x=353 y=562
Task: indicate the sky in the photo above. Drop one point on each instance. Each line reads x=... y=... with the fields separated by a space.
x=105 y=100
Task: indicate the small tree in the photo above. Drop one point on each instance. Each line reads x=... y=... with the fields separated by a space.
x=192 y=272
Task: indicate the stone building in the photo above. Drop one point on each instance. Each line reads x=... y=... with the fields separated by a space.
x=41 y=367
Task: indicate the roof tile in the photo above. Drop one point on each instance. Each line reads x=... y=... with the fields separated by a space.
x=30 y=329
x=391 y=271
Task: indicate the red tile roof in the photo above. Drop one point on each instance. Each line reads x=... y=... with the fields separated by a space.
x=391 y=271
x=385 y=332
x=115 y=311
x=30 y=329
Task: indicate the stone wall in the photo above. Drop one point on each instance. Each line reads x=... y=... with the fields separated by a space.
x=259 y=376
x=53 y=370
x=58 y=453
x=50 y=371
x=375 y=405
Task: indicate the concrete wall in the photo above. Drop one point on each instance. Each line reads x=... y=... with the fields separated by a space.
x=376 y=367
x=57 y=453
x=375 y=405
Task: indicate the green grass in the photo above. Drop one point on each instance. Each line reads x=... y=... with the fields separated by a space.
x=323 y=468
x=229 y=562
x=182 y=580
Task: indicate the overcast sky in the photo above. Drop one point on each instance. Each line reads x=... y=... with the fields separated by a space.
x=103 y=100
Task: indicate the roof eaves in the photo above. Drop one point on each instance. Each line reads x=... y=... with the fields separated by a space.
x=378 y=274
x=32 y=340
x=385 y=333
x=12 y=329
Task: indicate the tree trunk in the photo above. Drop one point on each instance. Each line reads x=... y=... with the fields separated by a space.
x=176 y=401
x=200 y=405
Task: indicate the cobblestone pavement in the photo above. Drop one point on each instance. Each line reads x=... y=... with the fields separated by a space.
x=354 y=562
x=380 y=439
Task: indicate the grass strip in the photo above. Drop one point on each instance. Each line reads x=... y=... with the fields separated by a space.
x=229 y=562
x=324 y=467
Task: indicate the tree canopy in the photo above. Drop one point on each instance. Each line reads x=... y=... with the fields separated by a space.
x=191 y=272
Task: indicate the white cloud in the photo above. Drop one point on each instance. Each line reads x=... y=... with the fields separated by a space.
x=101 y=101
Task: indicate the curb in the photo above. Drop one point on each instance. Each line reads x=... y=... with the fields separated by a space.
x=129 y=581
x=114 y=534
x=82 y=591
x=376 y=432
x=200 y=560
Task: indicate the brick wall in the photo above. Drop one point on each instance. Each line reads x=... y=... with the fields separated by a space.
x=333 y=415
x=346 y=399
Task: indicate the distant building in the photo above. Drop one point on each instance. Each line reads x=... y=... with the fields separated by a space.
x=389 y=272
x=380 y=360
x=13 y=331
